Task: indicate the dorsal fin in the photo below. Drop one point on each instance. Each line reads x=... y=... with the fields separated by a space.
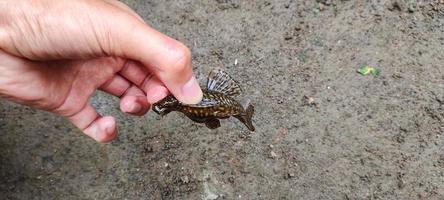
x=220 y=81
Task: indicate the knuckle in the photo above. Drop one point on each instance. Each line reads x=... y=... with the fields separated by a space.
x=181 y=59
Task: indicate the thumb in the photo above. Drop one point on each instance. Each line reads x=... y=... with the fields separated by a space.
x=165 y=57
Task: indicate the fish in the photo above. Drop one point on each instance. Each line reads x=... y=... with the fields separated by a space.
x=218 y=102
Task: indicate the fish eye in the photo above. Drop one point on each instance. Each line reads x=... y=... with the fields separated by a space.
x=157 y=109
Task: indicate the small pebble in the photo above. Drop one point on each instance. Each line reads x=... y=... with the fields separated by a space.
x=273 y=154
x=185 y=179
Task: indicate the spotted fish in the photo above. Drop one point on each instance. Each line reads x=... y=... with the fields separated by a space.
x=217 y=103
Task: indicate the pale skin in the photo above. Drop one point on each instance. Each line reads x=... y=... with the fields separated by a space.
x=55 y=53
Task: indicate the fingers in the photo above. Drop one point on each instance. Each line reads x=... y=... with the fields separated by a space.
x=165 y=57
x=136 y=73
x=132 y=99
x=134 y=102
x=101 y=129
x=117 y=86
x=154 y=89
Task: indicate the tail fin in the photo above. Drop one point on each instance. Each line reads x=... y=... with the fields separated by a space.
x=246 y=118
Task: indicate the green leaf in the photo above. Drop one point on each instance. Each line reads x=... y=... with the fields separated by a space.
x=365 y=70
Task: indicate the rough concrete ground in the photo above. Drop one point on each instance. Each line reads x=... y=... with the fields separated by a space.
x=323 y=130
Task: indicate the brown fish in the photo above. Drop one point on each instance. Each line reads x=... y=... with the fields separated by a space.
x=217 y=103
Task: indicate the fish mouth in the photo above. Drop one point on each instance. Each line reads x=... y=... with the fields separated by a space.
x=159 y=110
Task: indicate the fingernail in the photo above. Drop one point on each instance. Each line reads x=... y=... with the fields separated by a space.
x=109 y=129
x=191 y=92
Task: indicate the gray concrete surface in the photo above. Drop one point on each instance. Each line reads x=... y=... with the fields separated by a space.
x=323 y=130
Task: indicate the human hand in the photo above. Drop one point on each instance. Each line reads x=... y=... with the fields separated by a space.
x=55 y=53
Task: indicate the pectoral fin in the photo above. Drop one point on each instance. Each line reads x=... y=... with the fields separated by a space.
x=212 y=123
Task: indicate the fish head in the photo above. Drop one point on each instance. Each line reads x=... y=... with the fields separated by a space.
x=166 y=105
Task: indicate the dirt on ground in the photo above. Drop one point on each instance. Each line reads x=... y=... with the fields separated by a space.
x=323 y=131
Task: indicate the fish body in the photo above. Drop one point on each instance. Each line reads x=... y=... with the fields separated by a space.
x=217 y=103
